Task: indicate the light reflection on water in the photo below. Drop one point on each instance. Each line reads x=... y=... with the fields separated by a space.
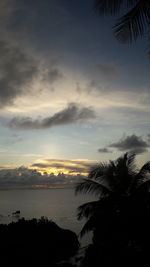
x=60 y=205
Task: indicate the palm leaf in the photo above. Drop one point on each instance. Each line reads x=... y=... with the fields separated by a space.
x=112 y=7
x=99 y=218
x=102 y=174
x=142 y=188
x=87 y=209
x=141 y=177
x=131 y=160
x=98 y=170
x=92 y=186
x=89 y=226
x=123 y=173
x=133 y=24
x=144 y=170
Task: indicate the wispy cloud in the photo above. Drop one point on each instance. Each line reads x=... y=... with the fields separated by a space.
x=72 y=114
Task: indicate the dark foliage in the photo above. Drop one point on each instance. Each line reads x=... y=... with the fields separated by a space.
x=35 y=243
x=120 y=219
x=133 y=24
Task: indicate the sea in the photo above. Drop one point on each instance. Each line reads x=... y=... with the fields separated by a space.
x=59 y=205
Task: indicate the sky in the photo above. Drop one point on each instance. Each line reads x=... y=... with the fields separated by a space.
x=71 y=95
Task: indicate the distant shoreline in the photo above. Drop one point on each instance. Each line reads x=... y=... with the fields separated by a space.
x=34 y=189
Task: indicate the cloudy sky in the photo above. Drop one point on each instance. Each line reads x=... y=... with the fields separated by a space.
x=70 y=93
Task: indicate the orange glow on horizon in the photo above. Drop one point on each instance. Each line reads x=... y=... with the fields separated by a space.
x=57 y=171
x=68 y=167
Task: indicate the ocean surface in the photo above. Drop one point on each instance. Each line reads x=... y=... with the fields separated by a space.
x=59 y=205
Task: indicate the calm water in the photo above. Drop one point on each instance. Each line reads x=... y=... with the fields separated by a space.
x=60 y=205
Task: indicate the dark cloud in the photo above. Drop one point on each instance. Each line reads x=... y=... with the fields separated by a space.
x=72 y=114
x=28 y=178
x=133 y=143
x=18 y=66
x=17 y=70
x=104 y=150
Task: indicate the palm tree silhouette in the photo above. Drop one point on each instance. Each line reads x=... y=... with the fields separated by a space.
x=134 y=24
x=123 y=196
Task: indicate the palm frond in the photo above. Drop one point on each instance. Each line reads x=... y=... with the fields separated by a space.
x=130 y=2
x=99 y=218
x=89 y=226
x=133 y=24
x=142 y=177
x=92 y=186
x=100 y=174
x=142 y=187
x=131 y=160
x=145 y=169
x=124 y=173
x=87 y=209
x=130 y=164
x=98 y=170
x=108 y=6
x=112 y=7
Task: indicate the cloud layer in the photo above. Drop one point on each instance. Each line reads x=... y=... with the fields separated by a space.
x=46 y=173
x=72 y=114
x=66 y=166
x=133 y=143
x=26 y=178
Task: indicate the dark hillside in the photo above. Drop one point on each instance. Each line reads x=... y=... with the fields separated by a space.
x=35 y=242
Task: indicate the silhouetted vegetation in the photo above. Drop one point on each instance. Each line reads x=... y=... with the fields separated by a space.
x=35 y=243
x=120 y=218
x=133 y=24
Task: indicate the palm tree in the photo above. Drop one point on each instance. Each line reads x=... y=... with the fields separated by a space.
x=123 y=193
x=134 y=24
